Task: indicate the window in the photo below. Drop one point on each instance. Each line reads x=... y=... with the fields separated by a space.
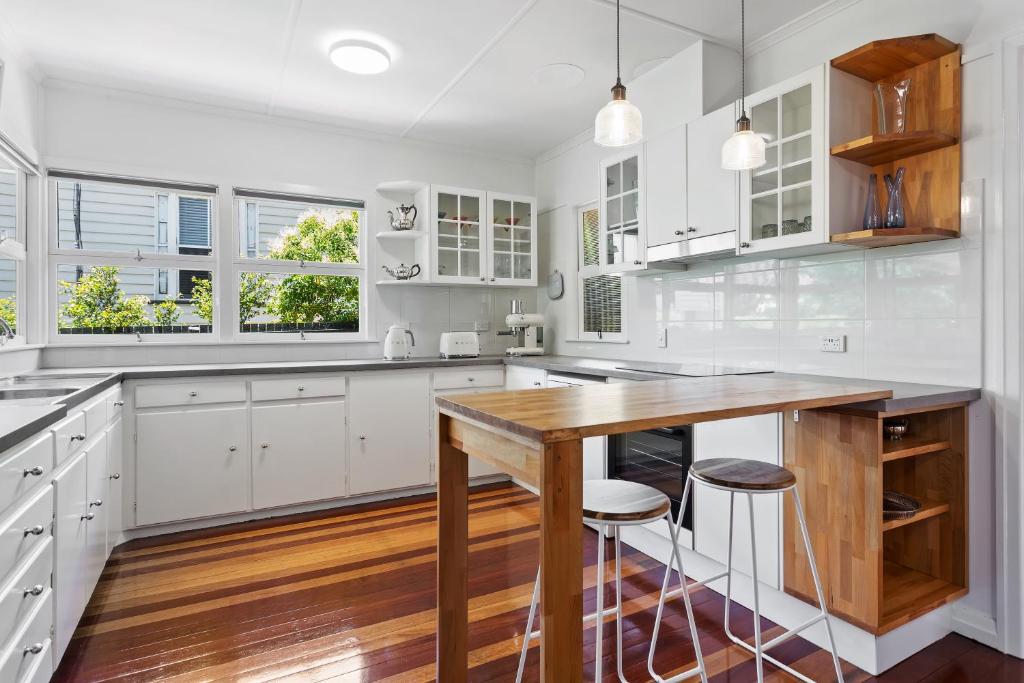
x=130 y=256
x=12 y=226
x=599 y=296
x=299 y=270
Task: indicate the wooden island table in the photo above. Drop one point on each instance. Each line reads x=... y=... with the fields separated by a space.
x=536 y=436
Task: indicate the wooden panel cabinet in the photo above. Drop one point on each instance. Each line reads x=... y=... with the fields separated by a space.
x=298 y=452
x=383 y=453
x=191 y=463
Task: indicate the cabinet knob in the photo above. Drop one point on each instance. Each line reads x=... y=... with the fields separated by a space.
x=744 y=245
x=34 y=590
x=193 y=393
x=36 y=471
x=362 y=437
x=88 y=516
x=302 y=388
x=33 y=649
x=232 y=448
x=691 y=229
x=483 y=279
x=78 y=437
x=115 y=475
x=492 y=279
x=680 y=232
x=36 y=530
x=96 y=503
x=264 y=445
x=470 y=379
x=637 y=262
x=119 y=403
x=536 y=384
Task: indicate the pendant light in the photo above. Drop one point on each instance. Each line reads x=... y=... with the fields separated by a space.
x=619 y=122
x=744 y=150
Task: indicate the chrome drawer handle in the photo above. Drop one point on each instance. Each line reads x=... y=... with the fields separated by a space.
x=33 y=649
x=119 y=403
x=88 y=516
x=36 y=530
x=96 y=503
x=193 y=393
x=115 y=475
x=36 y=471
x=36 y=590
x=78 y=437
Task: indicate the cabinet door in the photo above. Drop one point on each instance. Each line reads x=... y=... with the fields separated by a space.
x=782 y=203
x=298 y=452
x=96 y=511
x=389 y=432
x=520 y=377
x=623 y=238
x=666 y=195
x=752 y=438
x=191 y=463
x=512 y=240
x=458 y=235
x=114 y=501
x=70 y=531
x=712 y=199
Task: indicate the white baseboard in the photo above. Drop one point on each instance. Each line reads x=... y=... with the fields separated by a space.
x=977 y=625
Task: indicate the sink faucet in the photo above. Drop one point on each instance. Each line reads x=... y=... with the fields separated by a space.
x=6 y=333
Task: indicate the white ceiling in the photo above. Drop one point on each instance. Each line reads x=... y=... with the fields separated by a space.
x=461 y=69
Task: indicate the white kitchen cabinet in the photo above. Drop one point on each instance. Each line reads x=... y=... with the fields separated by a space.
x=191 y=463
x=782 y=204
x=114 y=500
x=458 y=229
x=623 y=236
x=594 y=451
x=751 y=438
x=521 y=377
x=388 y=431
x=96 y=512
x=298 y=452
x=512 y=240
x=666 y=193
x=712 y=193
x=70 y=541
x=477 y=468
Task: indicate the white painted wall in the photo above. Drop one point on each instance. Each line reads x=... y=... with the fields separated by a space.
x=20 y=107
x=114 y=132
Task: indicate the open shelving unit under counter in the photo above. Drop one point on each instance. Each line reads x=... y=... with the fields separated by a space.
x=929 y=148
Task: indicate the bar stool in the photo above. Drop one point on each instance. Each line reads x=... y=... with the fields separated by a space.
x=749 y=477
x=615 y=503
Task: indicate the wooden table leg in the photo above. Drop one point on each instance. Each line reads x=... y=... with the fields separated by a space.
x=561 y=538
x=452 y=558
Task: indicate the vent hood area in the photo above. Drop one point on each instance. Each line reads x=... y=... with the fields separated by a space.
x=693 y=250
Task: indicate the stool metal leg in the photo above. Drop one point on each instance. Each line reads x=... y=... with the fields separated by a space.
x=758 y=655
x=599 y=610
x=529 y=627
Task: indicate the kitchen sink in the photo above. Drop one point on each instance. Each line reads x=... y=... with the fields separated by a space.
x=35 y=392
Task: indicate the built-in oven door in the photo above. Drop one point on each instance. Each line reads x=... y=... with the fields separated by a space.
x=659 y=458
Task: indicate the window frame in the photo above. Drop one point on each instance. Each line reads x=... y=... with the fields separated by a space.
x=21 y=190
x=246 y=264
x=584 y=272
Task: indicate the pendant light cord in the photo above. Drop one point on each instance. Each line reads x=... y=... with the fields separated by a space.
x=743 y=58
x=618 y=49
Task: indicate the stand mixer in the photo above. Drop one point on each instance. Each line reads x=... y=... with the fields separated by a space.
x=527 y=329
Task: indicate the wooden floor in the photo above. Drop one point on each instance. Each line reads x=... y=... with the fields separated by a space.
x=348 y=595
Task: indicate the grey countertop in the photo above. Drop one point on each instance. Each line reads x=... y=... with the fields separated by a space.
x=19 y=422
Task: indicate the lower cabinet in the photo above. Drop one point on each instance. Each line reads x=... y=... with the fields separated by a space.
x=388 y=418
x=113 y=502
x=70 y=540
x=96 y=512
x=521 y=377
x=298 y=452
x=191 y=463
x=752 y=438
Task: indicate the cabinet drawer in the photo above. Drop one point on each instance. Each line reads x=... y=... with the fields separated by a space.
x=29 y=649
x=194 y=393
x=95 y=416
x=23 y=591
x=24 y=467
x=25 y=529
x=69 y=437
x=297 y=387
x=469 y=378
x=114 y=400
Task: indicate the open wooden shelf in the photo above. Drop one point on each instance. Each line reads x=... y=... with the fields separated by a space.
x=874 y=150
x=401 y=234
x=883 y=58
x=908 y=593
x=911 y=446
x=890 y=237
x=929 y=509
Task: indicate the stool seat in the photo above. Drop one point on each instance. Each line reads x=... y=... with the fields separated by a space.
x=615 y=500
x=743 y=475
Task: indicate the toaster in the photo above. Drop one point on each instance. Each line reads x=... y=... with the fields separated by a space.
x=459 y=345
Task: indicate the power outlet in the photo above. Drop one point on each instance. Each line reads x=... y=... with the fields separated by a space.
x=833 y=343
x=661 y=341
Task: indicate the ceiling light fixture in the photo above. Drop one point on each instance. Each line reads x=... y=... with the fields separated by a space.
x=744 y=149
x=619 y=122
x=360 y=57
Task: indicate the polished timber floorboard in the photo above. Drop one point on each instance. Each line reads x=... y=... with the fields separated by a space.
x=348 y=595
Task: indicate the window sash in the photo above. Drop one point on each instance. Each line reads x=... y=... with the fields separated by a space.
x=584 y=220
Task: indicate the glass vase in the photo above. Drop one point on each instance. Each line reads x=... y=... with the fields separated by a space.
x=891 y=99
x=872 y=210
x=894 y=216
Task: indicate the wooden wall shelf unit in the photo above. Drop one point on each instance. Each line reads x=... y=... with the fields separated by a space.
x=929 y=148
x=879 y=574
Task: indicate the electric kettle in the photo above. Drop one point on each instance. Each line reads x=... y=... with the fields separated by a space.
x=398 y=343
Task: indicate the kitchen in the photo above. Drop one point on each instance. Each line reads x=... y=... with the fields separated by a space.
x=337 y=349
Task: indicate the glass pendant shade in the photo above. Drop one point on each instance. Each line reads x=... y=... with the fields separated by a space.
x=743 y=150
x=619 y=123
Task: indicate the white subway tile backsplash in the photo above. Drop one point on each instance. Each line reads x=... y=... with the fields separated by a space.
x=800 y=347
x=935 y=351
x=747 y=344
x=751 y=295
x=833 y=290
x=945 y=284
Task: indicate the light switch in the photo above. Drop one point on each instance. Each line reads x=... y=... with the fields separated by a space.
x=662 y=339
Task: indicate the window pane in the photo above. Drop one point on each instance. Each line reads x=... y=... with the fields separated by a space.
x=298 y=302
x=602 y=304
x=591 y=231
x=128 y=299
x=99 y=216
x=298 y=231
x=9 y=228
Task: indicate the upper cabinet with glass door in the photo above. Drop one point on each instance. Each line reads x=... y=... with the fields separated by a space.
x=782 y=203
x=459 y=243
x=623 y=238
x=512 y=245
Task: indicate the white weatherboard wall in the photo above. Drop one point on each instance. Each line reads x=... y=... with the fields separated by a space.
x=912 y=313
x=113 y=132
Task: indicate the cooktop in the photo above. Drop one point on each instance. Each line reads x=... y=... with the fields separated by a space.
x=689 y=369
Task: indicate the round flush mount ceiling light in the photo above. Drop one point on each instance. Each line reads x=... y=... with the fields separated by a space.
x=360 y=57
x=559 y=75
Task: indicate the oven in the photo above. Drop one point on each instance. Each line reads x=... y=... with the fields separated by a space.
x=656 y=457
